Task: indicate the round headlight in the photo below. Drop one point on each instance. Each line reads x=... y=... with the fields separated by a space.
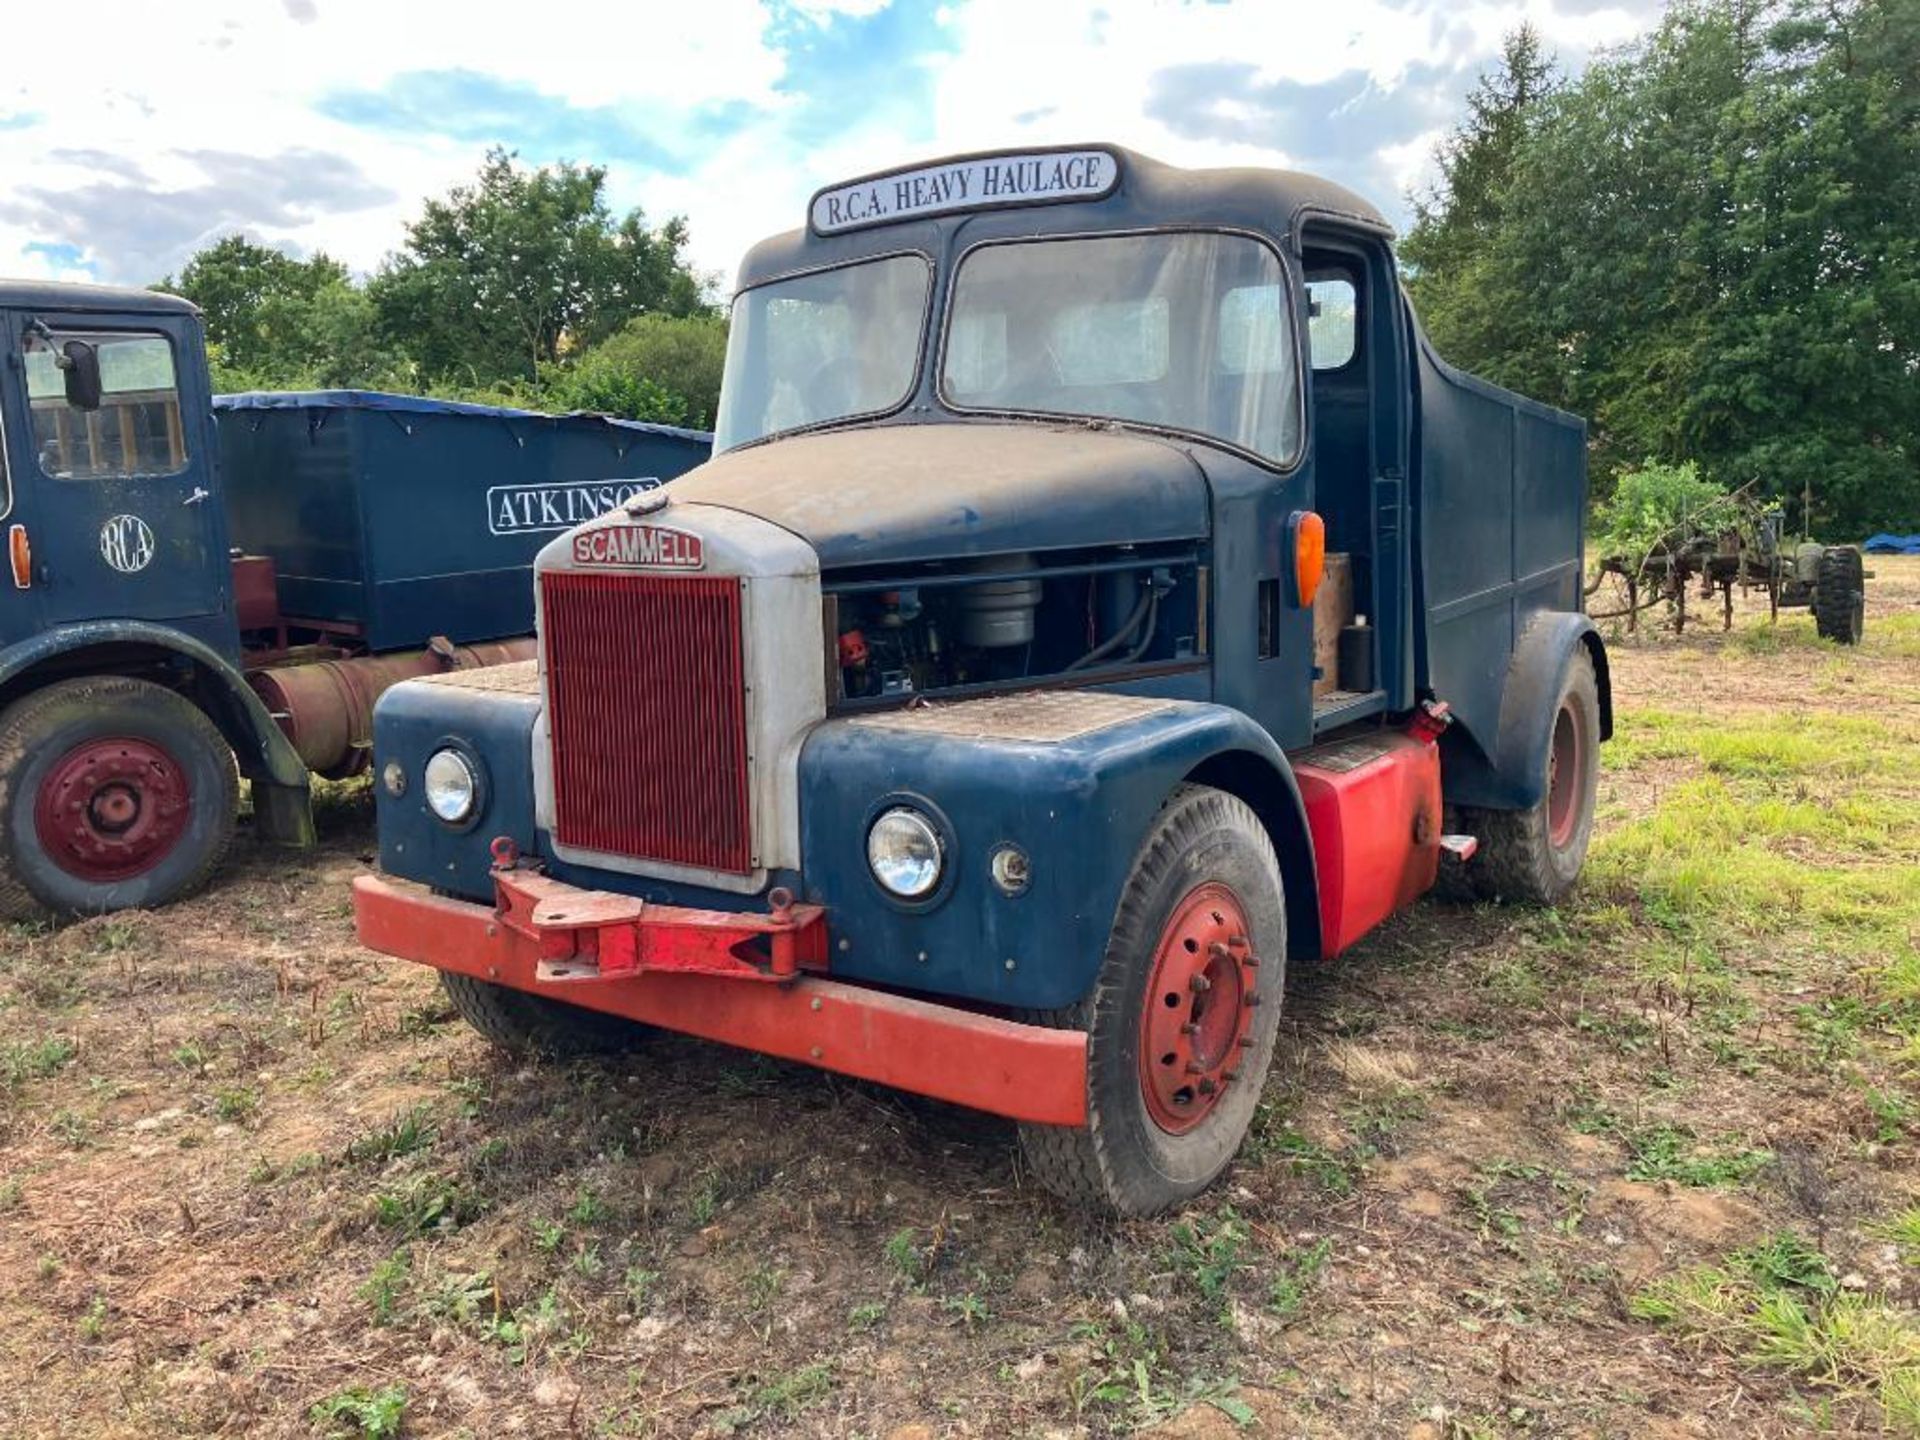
x=904 y=853
x=451 y=786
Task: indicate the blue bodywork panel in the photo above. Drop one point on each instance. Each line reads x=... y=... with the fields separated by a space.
x=1079 y=808
x=409 y=518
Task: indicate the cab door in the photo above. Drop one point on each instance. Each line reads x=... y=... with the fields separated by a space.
x=118 y=500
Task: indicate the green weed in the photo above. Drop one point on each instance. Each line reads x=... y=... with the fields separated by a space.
x=372 y=1414
x=404 y=1135
x=1668 y=1152
x=25 y=1060
x=1778 y=1306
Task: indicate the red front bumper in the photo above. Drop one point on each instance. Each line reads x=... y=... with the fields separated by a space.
x=646 y=962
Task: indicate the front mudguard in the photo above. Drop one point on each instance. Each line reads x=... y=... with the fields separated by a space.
x=1076 y=808
x=1510 y=774
x=267 y=758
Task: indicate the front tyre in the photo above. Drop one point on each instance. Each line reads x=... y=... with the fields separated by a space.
x=523 y=1024
x=115 y=793
x=1182 y=1019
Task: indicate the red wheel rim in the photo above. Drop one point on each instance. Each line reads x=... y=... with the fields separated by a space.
x=1197 y=1012
x=112 y=808
x=1566 y=775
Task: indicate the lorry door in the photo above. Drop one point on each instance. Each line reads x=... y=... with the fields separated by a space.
x=1360 y=395
x=118 y=501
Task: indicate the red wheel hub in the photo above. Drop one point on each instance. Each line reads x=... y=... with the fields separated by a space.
x=1566 y=777
x=1197 y=1017
x=112 y=808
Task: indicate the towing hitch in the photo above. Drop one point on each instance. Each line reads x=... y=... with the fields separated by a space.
x=586 y=935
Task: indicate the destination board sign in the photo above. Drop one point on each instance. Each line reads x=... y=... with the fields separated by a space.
x=981 y=182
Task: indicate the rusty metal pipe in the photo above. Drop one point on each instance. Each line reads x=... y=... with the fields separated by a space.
x=325 y=707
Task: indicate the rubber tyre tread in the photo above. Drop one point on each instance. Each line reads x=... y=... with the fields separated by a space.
x=50 y=721
x=1103 y=1167
x=1516 y=862
x=1839 y=595
x=523 y=1024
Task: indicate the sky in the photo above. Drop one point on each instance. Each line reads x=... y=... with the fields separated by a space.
x=143 y=132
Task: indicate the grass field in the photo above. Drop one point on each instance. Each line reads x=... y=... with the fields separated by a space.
x=1642 y=1166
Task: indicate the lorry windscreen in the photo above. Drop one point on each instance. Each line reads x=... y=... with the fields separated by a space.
x=823 y=346
x=1187 y=331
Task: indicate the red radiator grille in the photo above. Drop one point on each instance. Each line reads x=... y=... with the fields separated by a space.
x=647 y=711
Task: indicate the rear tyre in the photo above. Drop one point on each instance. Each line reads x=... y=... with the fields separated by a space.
x=1840 y=595
x=1533 y=856
x=524 y=1024
x=1183 y=1016
x=114 y=794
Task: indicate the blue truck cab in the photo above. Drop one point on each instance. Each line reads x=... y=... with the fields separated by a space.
x=1101 y=596
x=194 y=579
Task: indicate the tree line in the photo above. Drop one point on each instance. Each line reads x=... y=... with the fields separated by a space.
x=521 y=288
x=1708 y=244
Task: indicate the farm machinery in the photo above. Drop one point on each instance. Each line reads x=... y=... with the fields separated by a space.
x=1750 y=551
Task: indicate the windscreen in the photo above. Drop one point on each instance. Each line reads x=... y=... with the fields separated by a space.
x=1189 y=331
x=820 y=347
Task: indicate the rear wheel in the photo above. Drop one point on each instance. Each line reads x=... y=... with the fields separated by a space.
x=1534 y=855
x=1182 y=1020
x=524 y=1024
x=1840 y=595
x=114 y=793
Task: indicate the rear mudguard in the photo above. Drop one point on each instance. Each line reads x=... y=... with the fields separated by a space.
x=1076 y=807
x=1513 y=775
x=117 y=647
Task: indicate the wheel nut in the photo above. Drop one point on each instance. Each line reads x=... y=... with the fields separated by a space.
x=1190 y=1028
x=1199 y=984
x=1207 y=1087
x=1218 y=951
x=1253 y=999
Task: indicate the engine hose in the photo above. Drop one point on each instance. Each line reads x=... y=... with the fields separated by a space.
x=1119 y=637
x=1147 y=632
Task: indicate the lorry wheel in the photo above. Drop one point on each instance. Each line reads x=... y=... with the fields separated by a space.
x=524 y=1024
x=114 y=793
x=1840 y=595
x=1534 y=855
x=1182 y=1018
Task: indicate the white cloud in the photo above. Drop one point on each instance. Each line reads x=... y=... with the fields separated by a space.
x=167 y=87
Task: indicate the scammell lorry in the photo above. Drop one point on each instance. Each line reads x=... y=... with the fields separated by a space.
x=1101 y=599
x=193 y=579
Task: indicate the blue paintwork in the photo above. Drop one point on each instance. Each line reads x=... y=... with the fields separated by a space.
x=387 y=512
x=1079 y=808
x=188 y=581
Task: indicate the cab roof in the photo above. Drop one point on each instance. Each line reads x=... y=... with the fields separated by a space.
x=58 y=295
x=1148 y=193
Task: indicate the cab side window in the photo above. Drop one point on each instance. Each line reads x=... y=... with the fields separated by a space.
x=1332 y=322
x=135 y=431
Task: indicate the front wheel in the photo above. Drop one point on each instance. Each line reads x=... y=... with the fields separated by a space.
x=523 y=1024
x=1183 y=1016
x=115 y=793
